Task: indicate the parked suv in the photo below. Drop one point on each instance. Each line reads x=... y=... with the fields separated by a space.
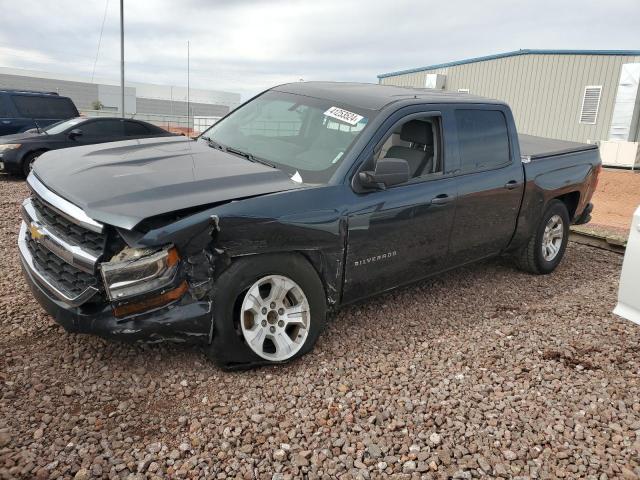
x=22 y=110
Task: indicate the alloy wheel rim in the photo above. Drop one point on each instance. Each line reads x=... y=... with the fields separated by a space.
x=552 y=238
x=275 y=318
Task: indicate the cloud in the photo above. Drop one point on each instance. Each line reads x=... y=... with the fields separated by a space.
x=250 y=45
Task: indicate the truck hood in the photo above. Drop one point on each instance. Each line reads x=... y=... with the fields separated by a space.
x=123 y=183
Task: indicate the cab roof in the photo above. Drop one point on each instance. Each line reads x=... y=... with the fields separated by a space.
x=372 y=96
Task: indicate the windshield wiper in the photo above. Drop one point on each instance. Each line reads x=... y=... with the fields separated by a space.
x=214 y=144
x=250 y=157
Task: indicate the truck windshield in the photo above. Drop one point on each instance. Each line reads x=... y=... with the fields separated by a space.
x=304 y=136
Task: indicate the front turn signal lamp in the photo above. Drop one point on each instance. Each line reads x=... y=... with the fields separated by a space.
x=136 y=272
x=152 y=302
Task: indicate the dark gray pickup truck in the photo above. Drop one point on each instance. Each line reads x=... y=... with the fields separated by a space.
x=306 y=198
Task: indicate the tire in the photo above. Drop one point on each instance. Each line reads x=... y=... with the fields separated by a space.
x=27 y=163
x=239 y=317
x=536 y=257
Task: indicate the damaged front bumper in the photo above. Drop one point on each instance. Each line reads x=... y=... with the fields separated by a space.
x=185 y=321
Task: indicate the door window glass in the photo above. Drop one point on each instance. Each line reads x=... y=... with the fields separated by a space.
x=483 y=139
x=135 y=129
x=4 y=111
x=102 y=128
x=417 y=141
x=31 y=106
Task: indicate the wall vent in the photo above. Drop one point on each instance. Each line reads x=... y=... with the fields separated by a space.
x=590 y=104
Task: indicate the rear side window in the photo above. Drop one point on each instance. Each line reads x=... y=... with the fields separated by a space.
x=102 y=128
x=483 y=139
x=133 y=129
x=31 y=106
x=4 y=111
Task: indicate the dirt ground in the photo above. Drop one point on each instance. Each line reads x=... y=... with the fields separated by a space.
x=616 y=199
x=483 y=372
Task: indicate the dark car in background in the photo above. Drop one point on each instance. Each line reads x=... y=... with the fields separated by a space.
x=19 y=151
x=22 y=110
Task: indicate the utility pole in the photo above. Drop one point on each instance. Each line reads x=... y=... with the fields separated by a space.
x=188 y=91
x=122 y=57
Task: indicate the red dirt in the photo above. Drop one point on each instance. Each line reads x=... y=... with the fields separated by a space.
x=615 y=200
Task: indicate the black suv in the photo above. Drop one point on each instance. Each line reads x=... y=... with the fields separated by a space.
x=22 y=110
x=18 y=152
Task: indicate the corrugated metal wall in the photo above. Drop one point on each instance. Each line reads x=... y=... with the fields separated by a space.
x=82 y=94
x=545 y=91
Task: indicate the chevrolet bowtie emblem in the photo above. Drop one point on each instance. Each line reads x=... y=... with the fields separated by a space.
x=35 y=232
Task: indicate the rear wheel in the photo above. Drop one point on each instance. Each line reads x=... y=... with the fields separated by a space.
x=267 y=309
x=27 y=163
x=547 y=245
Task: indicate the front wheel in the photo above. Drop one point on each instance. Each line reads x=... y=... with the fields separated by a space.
x=267 y=309
x=547 y=245
x=29 y=160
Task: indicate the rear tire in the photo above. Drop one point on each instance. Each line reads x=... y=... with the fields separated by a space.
x=27 y=163
x=546 y=247
x=268 y=309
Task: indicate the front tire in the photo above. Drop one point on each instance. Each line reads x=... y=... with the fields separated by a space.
x=268 y=309
x=545 y=249
x=27 y=163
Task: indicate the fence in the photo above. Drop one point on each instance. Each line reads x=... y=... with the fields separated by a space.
x=172 y=123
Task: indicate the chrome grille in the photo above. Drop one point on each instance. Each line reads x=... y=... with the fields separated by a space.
x=73 y=233
x=61 y=246
x=67 y=278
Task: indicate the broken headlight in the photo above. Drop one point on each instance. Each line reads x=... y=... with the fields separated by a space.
x=138 y=271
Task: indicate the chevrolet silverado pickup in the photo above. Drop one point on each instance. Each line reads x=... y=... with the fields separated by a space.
x=307 y=197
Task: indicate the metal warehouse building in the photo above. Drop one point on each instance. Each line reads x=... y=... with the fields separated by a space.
x=164 y=105
x=579 y=95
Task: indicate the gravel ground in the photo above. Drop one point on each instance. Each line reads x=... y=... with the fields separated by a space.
x=483 y=372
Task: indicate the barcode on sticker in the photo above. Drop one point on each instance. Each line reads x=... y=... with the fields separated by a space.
x=344 y=115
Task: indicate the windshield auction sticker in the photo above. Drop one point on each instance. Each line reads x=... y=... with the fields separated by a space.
x=344 y=115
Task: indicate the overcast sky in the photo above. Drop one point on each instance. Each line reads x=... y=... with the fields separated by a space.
x=249 y=45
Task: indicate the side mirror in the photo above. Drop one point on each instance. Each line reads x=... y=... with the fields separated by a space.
x=76 y=132
x=388 y=172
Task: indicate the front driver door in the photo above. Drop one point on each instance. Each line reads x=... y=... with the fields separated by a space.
x=401 y=234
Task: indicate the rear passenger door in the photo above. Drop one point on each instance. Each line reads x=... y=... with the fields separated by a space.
x=490 y=182
x=7 y=125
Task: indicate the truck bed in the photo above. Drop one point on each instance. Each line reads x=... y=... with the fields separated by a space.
x=539 y=147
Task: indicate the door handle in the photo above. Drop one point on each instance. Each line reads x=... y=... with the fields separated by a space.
x=441 y=199
x=511 y=184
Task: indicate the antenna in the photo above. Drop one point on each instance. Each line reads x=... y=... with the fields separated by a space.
x=122 y=56
x=188 y=91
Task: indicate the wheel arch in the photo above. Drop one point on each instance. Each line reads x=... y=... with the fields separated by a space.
x=325 y=268
x=571 y=201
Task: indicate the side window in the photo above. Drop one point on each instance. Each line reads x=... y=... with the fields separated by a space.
x=102 y=128
x=4 y=111
x=483 y=139
x=418 y=142
x=135 y=129
x=31 y=106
